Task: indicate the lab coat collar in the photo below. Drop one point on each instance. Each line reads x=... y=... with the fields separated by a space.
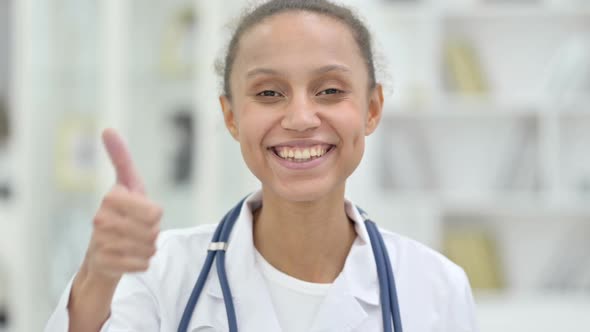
x=241 y=270
x=240 y=262
x=357 y=280
x=359 y=269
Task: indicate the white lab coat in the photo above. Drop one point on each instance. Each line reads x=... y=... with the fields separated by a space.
x=434 y=294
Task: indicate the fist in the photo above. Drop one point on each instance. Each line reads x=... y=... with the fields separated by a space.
x=126 y=227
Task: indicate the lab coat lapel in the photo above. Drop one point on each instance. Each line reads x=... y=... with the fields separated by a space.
x=253 y=304
x=355 y=288
x=340 y=311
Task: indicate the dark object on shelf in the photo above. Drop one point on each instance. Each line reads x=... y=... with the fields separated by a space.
x=4 y=122
x=183 y=128
x=5 y=191
x=3 y=318
x=5 y=65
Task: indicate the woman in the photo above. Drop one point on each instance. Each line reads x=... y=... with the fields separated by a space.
x=299 y=96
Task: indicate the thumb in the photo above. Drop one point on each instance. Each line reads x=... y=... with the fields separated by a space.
x=121 y=160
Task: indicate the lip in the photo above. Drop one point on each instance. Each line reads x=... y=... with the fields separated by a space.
x=301 y=165
x=300 y=143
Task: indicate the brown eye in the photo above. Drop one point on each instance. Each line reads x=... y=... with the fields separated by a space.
x=269 y=93
x=330 y=91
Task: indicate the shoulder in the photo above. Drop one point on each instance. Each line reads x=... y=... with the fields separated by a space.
x=180 y=252
x=186 y=234
x=185 y=239
x=420 y=259
x=428 y=281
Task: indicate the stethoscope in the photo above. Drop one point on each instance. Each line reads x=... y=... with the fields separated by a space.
x=218 y=246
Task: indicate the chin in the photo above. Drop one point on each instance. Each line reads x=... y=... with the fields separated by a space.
x=306 y=191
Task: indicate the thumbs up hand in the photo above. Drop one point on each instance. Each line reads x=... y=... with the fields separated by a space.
x=123 y=240
x=127 y=223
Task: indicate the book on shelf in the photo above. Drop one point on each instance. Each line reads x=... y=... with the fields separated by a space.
x=177 y=51
x=463 y=70
x=474 y=249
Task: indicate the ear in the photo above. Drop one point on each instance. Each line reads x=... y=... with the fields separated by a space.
x=228 y=116
x=375 y=109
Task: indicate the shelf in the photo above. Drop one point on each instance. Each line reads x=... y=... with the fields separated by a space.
x=513 y=11
x=525 y=209
x=463 y=112
x=403 y=10
x=533 y=312
x=507 y=204
x=574 y=114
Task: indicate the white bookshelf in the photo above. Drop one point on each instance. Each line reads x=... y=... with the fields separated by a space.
x=465 y=143
x=468 y=142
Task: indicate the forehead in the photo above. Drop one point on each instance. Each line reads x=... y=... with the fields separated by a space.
x=298 y=41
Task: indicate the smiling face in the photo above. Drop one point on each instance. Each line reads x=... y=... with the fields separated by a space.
x=301 y=104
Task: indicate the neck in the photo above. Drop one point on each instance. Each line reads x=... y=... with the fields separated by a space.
x=306 y=240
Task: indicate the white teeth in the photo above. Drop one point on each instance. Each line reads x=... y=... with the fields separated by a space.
x=301 y=154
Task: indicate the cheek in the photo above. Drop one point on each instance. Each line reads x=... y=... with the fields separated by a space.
x=253 y=126
x=350 y=122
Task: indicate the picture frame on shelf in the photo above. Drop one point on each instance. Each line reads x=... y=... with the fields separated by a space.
x=76 y=153
x=177 y=58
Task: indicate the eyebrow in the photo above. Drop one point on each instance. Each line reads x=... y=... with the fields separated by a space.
x=322 y=70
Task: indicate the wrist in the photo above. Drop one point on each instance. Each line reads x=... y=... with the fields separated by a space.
x=91 y=295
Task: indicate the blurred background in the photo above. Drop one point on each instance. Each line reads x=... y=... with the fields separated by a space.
x=483 y=152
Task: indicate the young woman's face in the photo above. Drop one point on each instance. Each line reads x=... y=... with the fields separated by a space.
x=301 y=104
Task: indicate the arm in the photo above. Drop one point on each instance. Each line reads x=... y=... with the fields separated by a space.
x=123 y=240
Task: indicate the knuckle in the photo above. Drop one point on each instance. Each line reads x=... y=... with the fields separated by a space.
x=98 y=219
x=109 y=200
x=103 y=246
x=104 y=223
x=144 y=265
x=154 y=233
x=114 y=195
x=152 y=250
x=104 y=218
x=155 y=212
x=139 y=265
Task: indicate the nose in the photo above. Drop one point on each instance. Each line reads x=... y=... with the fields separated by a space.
x=301 y=115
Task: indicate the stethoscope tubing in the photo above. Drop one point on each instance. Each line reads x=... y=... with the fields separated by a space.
x=395 y=310
x=221 y=234
x=389 y=301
